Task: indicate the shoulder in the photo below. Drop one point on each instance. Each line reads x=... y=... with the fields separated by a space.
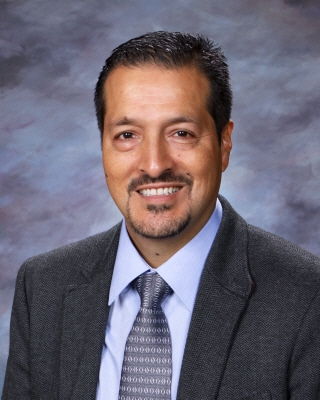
x=284 y=275
x=264 y=246
x=270 y=250
x=273 y=262
x=71 y=260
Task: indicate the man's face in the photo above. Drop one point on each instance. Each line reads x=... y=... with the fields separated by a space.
x=161 y=154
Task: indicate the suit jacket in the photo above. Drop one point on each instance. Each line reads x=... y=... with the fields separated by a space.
x=254 y=332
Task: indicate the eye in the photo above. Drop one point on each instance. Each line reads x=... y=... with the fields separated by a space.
x=182 y=134
x=181 y=137
x=126 y=135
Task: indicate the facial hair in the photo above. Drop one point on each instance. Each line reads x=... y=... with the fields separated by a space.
x=168 y=227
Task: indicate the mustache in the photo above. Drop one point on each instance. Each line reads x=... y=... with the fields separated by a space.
x=166 y=176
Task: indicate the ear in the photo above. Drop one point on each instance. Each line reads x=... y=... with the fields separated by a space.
x=226 y=144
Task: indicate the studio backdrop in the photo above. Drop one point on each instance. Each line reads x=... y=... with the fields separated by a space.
x=52 y=183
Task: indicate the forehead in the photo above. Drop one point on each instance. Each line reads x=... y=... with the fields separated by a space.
x=154 y=85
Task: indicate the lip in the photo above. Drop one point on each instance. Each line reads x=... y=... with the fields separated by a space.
x=159 y=185
x=160 y=198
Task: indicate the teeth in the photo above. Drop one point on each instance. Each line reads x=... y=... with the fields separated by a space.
x=159 y=192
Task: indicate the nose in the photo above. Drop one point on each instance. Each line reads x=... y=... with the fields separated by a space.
x=155 y=156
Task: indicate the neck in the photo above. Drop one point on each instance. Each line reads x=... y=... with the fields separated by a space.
x=157 y=251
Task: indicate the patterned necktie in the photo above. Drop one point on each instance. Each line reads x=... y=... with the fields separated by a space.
x=146 y=370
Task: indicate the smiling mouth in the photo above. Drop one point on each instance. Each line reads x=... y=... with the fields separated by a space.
x=159 y=191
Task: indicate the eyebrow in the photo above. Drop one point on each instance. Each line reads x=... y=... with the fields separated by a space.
x=170 y=121
x=182 y=118
x=122 y=121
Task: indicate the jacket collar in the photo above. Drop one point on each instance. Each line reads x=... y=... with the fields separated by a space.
x=85 y=316
x=222 y=298
x=224 y=290
x=228 y=258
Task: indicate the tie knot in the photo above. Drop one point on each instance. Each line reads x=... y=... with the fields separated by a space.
x=152 y=290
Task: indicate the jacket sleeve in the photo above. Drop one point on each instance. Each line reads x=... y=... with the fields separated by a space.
x=17 y=379
x=304 y=369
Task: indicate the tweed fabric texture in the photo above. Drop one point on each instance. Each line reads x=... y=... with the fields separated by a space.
x=147 y=363
x=254 y=332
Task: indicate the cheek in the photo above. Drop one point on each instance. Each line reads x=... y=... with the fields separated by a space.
x=112 y=165
x=119 y=171
x=207 y=174
x=118 y=192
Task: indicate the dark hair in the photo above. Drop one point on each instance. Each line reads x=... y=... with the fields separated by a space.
x=174 y=50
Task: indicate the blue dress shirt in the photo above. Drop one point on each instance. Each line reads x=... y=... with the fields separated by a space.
x=182 y=272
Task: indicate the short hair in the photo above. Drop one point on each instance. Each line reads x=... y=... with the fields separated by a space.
x=174 y=50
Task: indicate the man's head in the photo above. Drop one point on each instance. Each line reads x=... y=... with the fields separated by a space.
x=173 y=50
x=162 y=155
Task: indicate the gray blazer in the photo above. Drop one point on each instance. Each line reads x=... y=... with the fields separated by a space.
x=254 y=333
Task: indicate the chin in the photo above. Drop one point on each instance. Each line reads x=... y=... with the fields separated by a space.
x=157 y=225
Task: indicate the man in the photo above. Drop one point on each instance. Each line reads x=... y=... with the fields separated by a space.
x=240 y=316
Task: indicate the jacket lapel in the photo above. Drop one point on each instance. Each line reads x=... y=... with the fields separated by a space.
x=85 y=317
x=221 y=300
x=222 y=297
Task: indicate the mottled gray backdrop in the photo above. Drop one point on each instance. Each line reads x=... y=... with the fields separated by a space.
x=51 y=52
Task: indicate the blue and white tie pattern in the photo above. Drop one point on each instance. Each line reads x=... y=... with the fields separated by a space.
x=146 y=371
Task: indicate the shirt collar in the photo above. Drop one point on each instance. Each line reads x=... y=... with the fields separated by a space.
x=182 y=271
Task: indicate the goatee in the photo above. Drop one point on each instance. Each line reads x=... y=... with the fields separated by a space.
x=168 y=226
